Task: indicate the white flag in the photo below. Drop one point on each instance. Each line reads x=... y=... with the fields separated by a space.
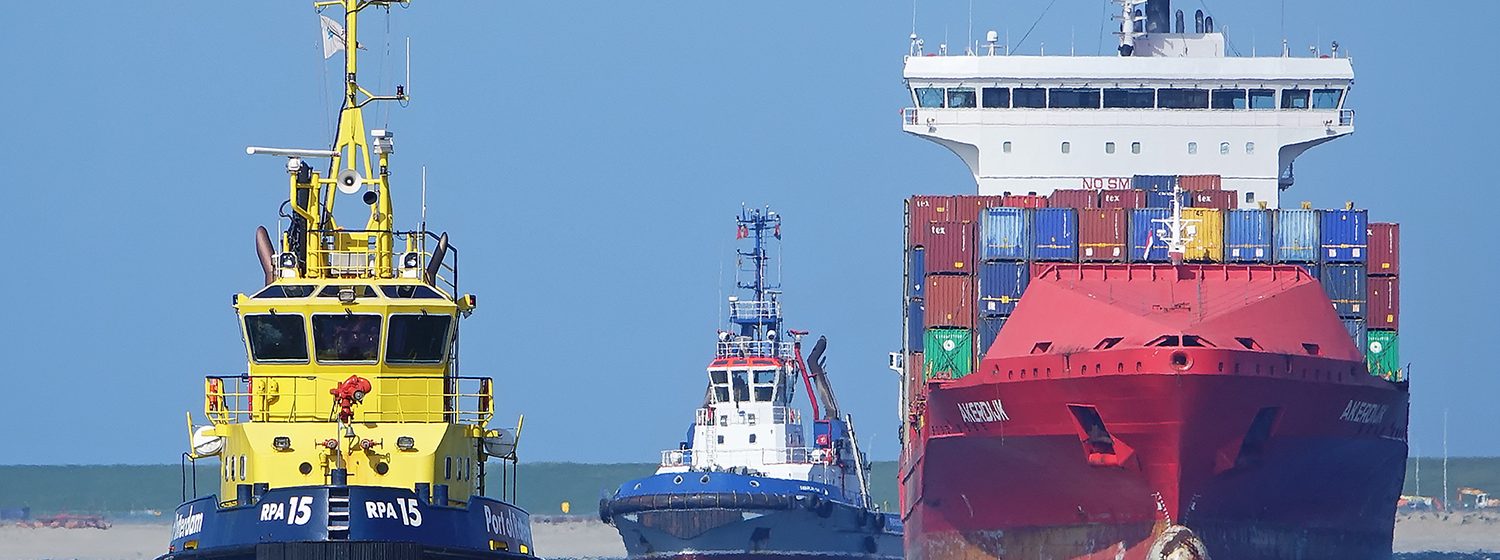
x=333 y=37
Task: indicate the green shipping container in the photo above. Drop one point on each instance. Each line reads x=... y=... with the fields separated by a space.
x=1383 y=353
x=948 y=353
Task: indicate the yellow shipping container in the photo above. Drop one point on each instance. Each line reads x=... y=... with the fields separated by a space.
x=1206 y=228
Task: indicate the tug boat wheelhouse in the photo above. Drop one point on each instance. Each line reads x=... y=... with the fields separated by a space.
x=351 y=435
x=746 y=484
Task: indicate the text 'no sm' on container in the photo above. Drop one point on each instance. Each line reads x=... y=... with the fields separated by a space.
x=1103 y=234
x=1005 y=234
x=1247 y=236
x=1344 y=235
x=1055 y=234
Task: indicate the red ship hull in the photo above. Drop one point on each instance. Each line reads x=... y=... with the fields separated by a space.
x=1067 y=445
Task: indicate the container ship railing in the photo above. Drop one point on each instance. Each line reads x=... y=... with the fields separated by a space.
x=745 y=457
x=306 y=398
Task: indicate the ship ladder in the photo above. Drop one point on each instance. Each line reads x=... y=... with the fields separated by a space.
x=338 y=513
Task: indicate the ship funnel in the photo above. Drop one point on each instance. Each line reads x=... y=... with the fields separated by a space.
x=266 y=252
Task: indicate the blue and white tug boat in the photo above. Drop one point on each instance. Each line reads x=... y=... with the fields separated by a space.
x=747 y=484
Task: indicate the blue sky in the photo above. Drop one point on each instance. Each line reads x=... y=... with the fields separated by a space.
x=587 y=158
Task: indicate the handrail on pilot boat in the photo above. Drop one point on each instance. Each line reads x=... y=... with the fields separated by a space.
x=771 y=456
x=754 y=349
x=364 y=261
x=234 y=399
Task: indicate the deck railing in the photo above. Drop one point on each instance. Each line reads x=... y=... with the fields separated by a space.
x=306 y=398
x=755 y=348
x=745 y=457
x=370 y=261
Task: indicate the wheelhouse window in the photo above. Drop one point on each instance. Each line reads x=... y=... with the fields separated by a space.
x=285 y=291
x=1228 y=99
x=1326 y=98
x=1074 y=98
x=961 y=98
x=1030 y=98
x=346 y=338
x=995 y=97
x=741 y=385
x=410 y=291
x=1134 y=98
x=276 y=338
x=719 y=379
x=929 y=97
x=417 y=339
x=1173 y=98
x=1262 y=99
x=765 y=384
x=1294 y=98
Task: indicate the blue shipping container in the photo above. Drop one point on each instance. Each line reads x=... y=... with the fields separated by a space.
x=1007 y=234
x=1314 y=270
x=989 y=328
x=1247 y=236
x=1055 y=231
x=1296 y=235
x=916 y=272
x=1145 y=235
x=1344 y=235
x=1159 y=190
x=1345 y=286
x=915 y=320
x=1000 y=287
x=1356 y=328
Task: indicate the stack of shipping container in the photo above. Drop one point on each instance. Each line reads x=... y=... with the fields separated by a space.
x=970 y=258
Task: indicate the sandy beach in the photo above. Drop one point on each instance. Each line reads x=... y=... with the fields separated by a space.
x=584 y=538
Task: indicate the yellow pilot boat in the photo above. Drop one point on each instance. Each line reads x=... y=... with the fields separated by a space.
x=351 y=435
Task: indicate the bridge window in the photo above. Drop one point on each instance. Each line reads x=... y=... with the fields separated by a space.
x=276 y=338
x=741 y=386
x=417 y=339
x=346 y=338
x=1030 y=98
x=410 y=291
x=1138 y=98
x=995 y=97
x=929 y=97
x=360 y=291
x=281 y=291
x=1326 y=98
x=961 y=98
x=1294 y=98
x=1262 y=99
x=1228 y=99
x=1074 y=98
x=765 y=384
x=1172 y=98
x=720 y=381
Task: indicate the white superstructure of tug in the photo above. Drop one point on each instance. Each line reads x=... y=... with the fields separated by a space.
x=1167 y=104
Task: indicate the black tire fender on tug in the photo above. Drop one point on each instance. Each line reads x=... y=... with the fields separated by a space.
x=612 y=507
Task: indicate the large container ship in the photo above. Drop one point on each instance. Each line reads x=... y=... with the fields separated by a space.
x=351 y=434
x=1125 y=344
x=746 y=483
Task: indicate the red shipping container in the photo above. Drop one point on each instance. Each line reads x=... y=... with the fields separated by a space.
x=950 y=247
x=1025 y=201
x=950 y=301
x=1200 y=182
x=1385 y=303
x=1074 y=198
x=1222 y=200
x=1122 y=198
x=967 y=208
x=1385 y=249
x=1103 y=234
x=925 y=209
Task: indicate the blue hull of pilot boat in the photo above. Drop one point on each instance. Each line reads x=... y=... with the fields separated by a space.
x=375 y=523
x=719 y=515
